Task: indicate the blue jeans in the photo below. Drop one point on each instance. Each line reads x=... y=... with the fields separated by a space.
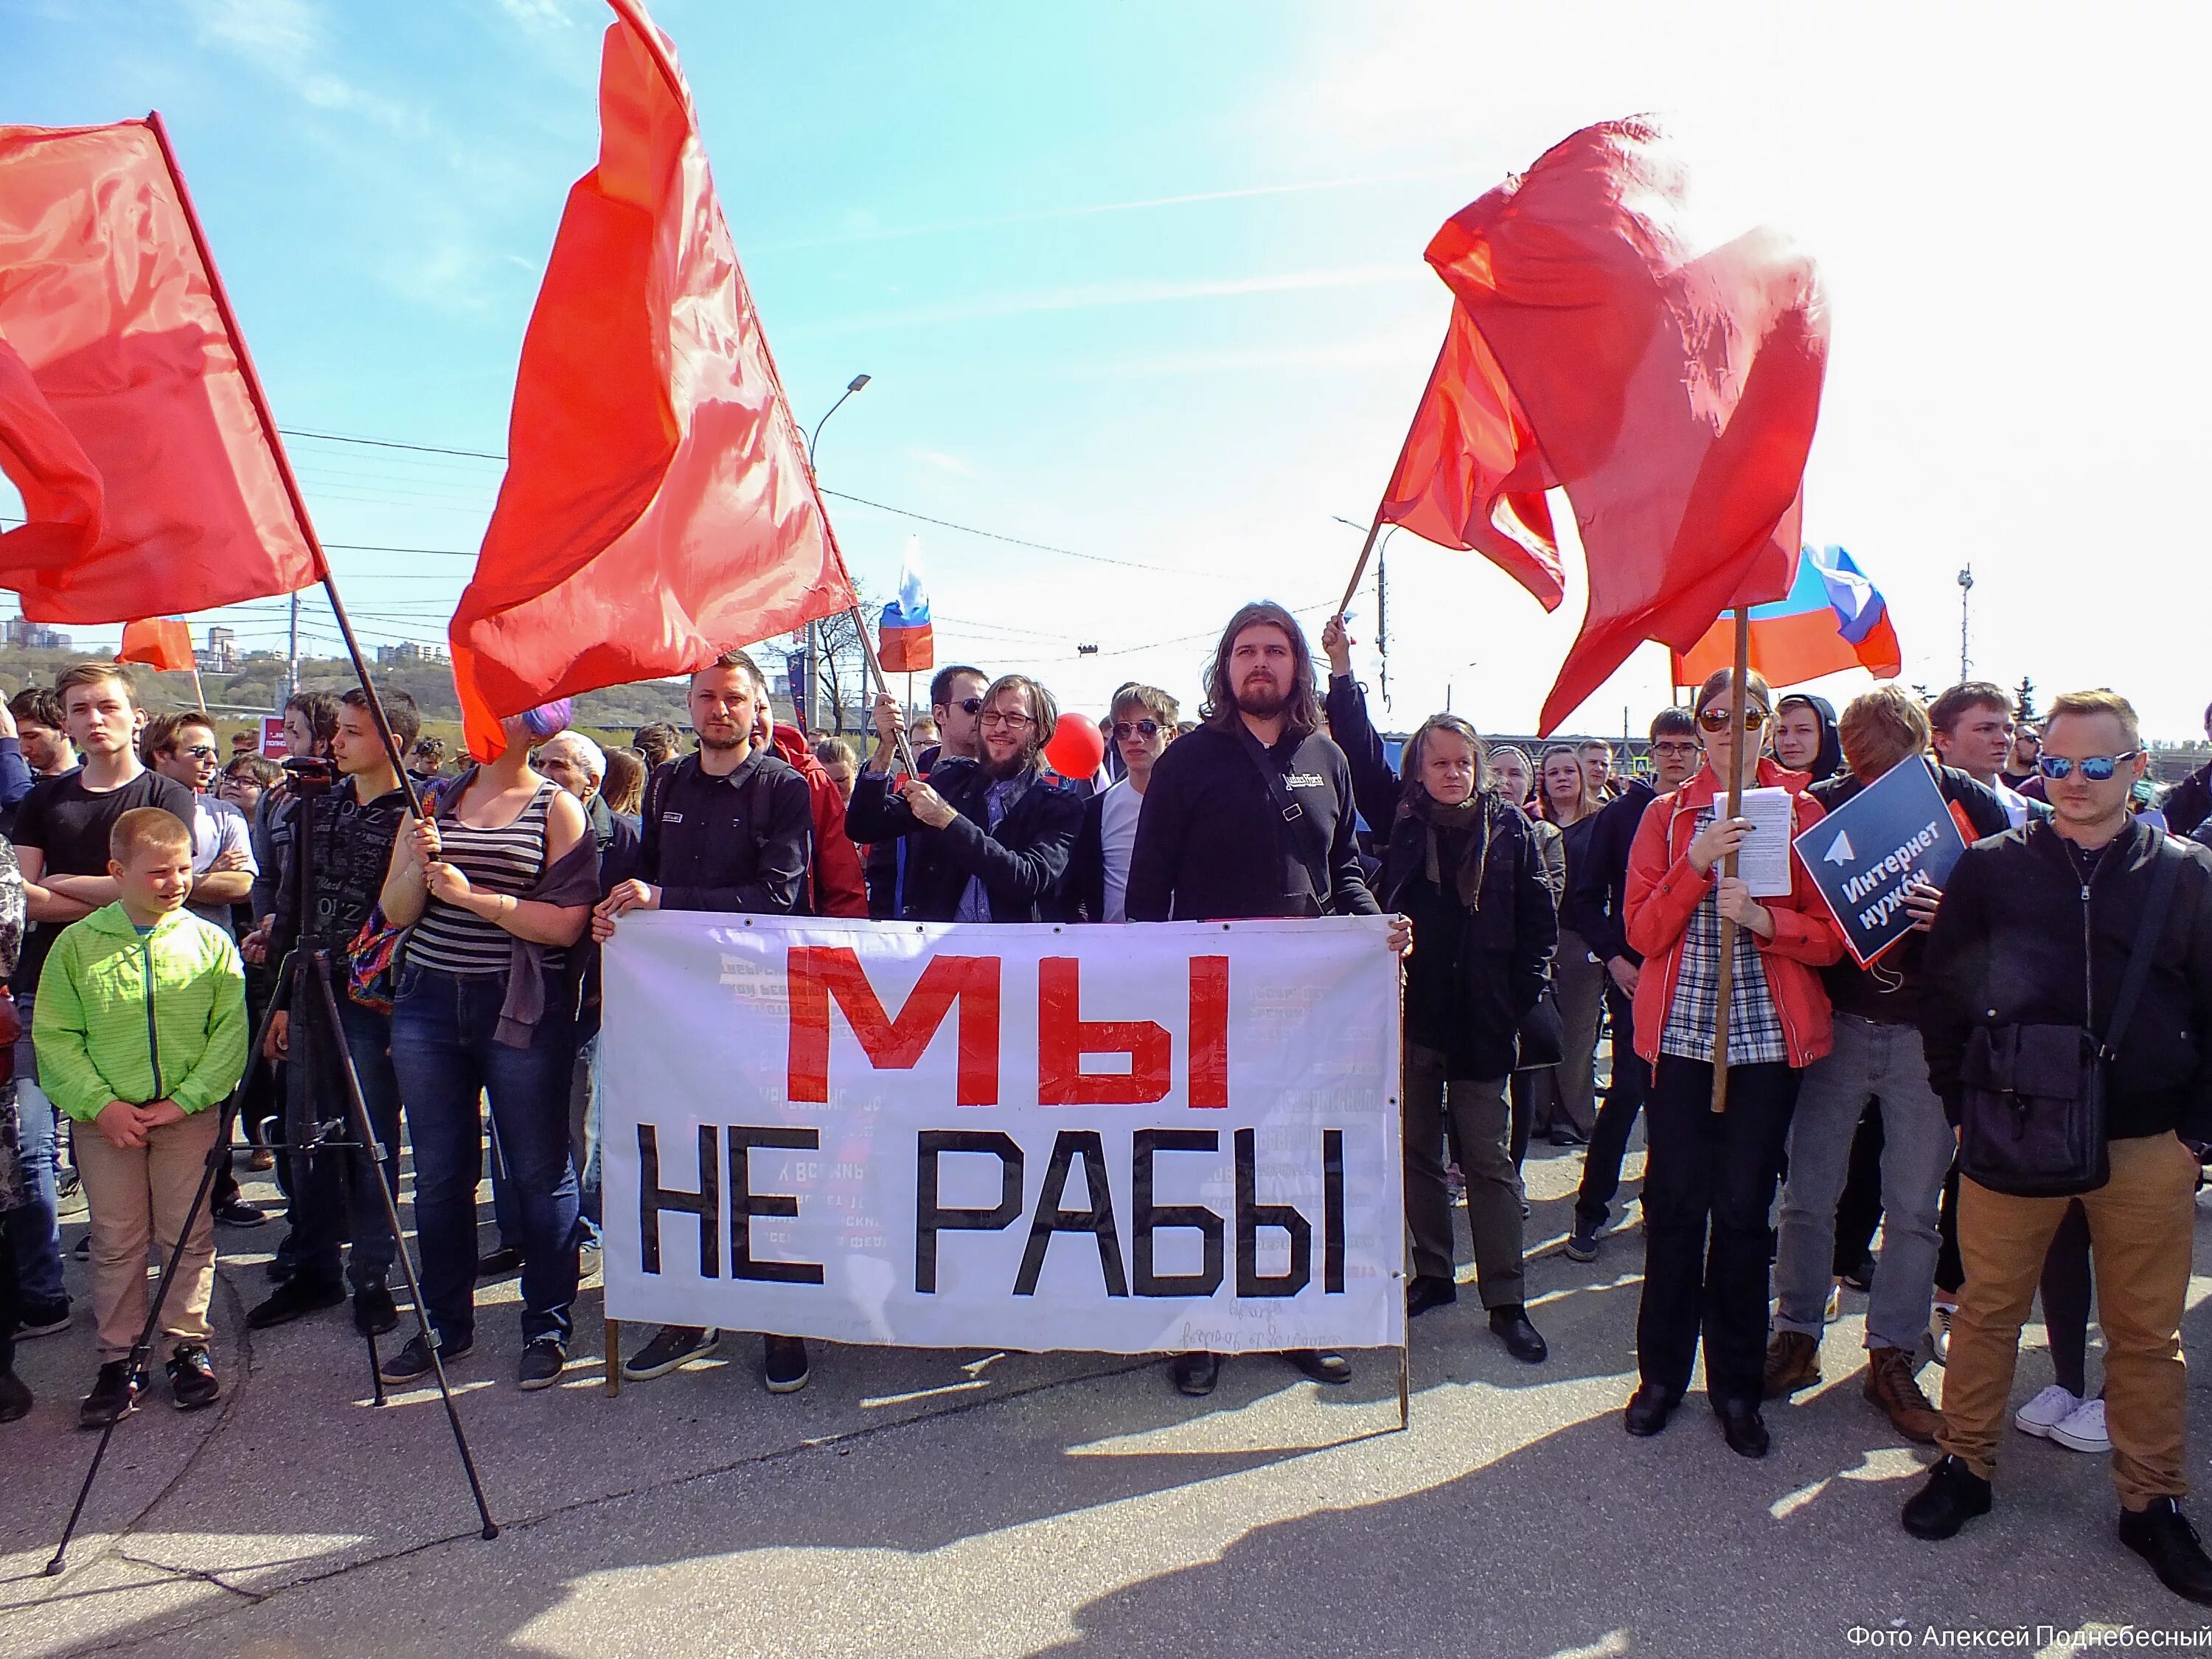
x=1886 y=1064
x=446 y=1056
x=35 y=1234
x=315 y=1091
x=584 y=1130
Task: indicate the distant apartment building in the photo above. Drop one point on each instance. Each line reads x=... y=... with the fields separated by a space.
x=220 y=655
x=407 y=653
x=35 y=636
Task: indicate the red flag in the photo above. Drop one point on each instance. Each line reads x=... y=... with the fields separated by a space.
x=1672 y=386
x=163 y=643
x=1470 y=476
x=658 y=509
x=127 y=417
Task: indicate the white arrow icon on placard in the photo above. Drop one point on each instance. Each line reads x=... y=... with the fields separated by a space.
x=1839 y=850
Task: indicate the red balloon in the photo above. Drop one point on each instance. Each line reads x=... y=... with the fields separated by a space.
x=1075 y=748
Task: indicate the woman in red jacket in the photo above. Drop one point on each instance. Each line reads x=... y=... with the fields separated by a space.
x=1710 y=1181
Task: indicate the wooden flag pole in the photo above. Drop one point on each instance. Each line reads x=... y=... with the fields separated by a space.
x=1738 y=698
x=876 y=674
x=197 y=690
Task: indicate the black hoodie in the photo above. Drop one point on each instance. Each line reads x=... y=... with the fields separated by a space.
x=1830 y=760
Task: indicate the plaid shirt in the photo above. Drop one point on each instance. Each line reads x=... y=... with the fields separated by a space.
x=1755 y=1034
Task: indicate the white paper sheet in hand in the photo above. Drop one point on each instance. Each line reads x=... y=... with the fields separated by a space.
x=1763 y=859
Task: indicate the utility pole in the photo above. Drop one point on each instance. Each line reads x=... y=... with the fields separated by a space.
x=1966 y=587
x=292 y=673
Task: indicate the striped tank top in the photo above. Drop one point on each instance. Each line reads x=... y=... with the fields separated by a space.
x=508 y=859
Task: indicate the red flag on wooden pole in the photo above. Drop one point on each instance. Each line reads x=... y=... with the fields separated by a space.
x=657 y=509
x=127 y=419
x=163 y=643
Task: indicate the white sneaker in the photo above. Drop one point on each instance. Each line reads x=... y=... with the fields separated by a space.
x=2084 y=1430
x=2043 y=1414
x=1939 y=1333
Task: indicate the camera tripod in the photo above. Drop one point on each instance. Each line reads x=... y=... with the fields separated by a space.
x=307 y=995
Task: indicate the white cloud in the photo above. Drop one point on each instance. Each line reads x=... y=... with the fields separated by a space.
x=537 y=16
x=942 y=462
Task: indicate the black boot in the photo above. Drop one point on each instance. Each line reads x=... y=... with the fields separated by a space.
x=1742 y=1427
x=1954 y=1495
x=2161 y=1535
x=1511 y=1326
x=1649 y=1408
x=1195 y=1373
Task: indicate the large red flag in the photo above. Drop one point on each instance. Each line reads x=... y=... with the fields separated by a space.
x=126 y=418
x=1470 y=474
x=1671 y=387
x=658 y=509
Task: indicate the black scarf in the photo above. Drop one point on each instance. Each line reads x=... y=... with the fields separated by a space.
x=1468 y=825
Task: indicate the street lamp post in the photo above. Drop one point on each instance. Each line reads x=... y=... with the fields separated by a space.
x=813 y=629
x=1966 y=587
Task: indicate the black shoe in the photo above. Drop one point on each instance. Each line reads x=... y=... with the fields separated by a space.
x=237 y=1213
x=83 y=1250
x=1565 y=1134
x=1649 y=1408
x=1425 y=1291
x=373 y=1310
x=501 y=1263
x=2161 y=1535
x=543 y=1362
x=672 y=1347
x=294 y=1298
x=44 y=1318
x=191 y=1378
x=1582 y=1245
x=1742 y=1427
x=1954 y=1495
x=786 y=1369
x=15 y=1397
x=1860 y=1277
x=1320 y=1364
x=1195 y=1373
x=285 y=1264
x=412 y=1363
x=114 y=1395
x=1511 y=1326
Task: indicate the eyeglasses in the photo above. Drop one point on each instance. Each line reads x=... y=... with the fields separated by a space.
x=1719 y=720
x=967 y=705
x=997 y=717
x=1142 y=728
x=1679 y=750
x=2098 y=769
x=198 y=751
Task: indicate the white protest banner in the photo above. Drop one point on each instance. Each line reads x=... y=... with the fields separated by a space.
x=1128 y=1140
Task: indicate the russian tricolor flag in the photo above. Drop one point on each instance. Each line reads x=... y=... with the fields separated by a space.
x=904 y=644
x=1833 y=619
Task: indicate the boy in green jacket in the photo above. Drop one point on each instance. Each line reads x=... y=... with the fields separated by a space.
x=139 y=1023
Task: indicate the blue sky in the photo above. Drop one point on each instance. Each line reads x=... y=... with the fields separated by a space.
x=1144 y=281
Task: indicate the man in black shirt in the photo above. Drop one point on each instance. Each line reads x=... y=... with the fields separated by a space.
x=349 y=833
x=987 y=840
x=730 y=827
x=1592 y=909
x=61 y=839
x=1214 y=843
x=2037 y=928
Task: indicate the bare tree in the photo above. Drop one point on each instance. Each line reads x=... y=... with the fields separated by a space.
x=841 y=663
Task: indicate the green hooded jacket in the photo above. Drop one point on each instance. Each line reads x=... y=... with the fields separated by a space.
x=140 y=1017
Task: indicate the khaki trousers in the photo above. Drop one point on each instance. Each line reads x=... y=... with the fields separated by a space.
x=138 y=1196
x=2140 y=1222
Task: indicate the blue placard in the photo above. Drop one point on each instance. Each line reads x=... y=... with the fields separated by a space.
x=1866 y=854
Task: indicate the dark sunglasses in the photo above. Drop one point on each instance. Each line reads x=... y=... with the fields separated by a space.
x=1142 y=728
x=2098 y=769
x=198 y=751
x=1719 y=720
x=969 y=705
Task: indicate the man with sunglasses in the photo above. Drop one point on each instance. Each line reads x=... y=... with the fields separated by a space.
x=956 y=701
x=183 y=747
x=987 y=839
x=1097 y=889
x=2037 y=927
x=1592 y=909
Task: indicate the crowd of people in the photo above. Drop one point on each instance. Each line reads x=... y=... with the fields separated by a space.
x=156 y=905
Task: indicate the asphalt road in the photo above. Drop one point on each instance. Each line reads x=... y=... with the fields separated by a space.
x=941 y=1503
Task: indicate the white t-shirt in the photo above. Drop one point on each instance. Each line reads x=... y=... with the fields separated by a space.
x=1117 y=829
x=217 y=827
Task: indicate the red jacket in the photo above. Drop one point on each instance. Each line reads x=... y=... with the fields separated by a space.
x=1664 y=892
x=838 y=889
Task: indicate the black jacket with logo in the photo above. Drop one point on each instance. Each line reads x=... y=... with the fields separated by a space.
x=738 y=842
x=2020 y=939
x=1021 y=862
x=1213 y=845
